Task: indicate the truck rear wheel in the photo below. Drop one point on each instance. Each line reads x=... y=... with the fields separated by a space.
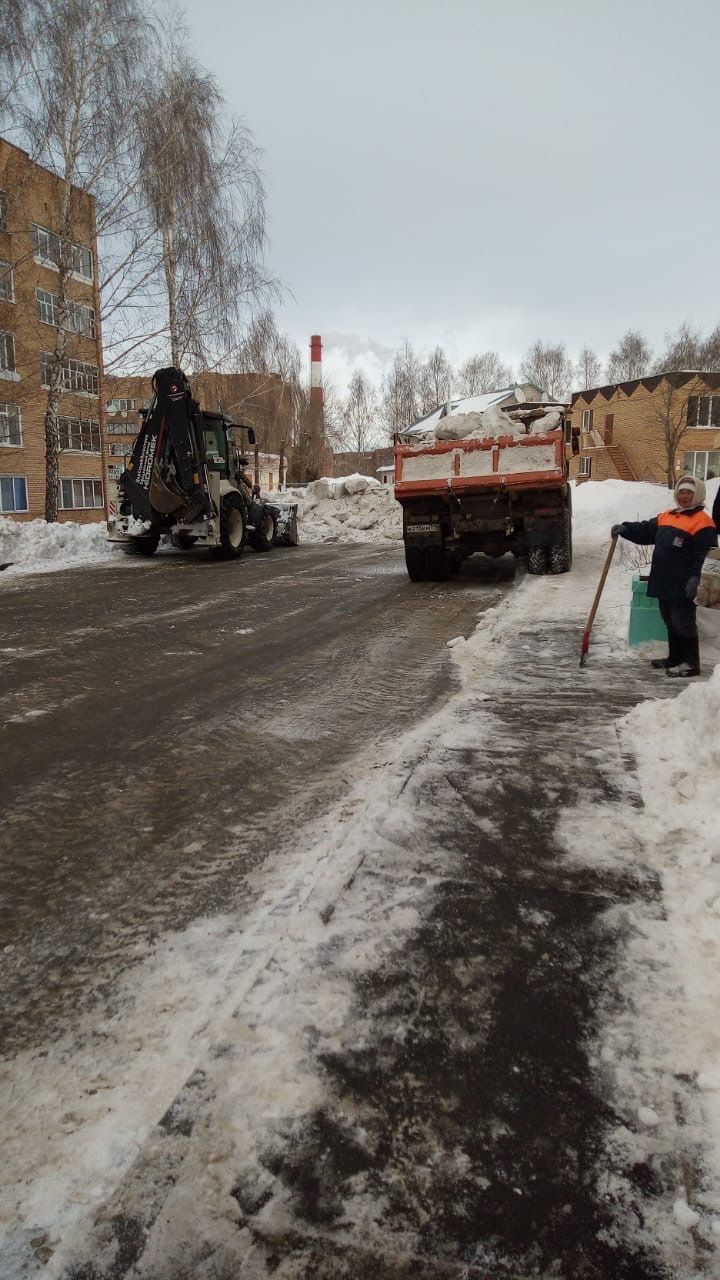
x=537 y=560
x=232 y=528
x=437 y=565
x=263 y=535
x=561 y=552
x=415 y=562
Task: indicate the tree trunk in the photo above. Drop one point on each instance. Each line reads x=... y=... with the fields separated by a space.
x=170 y=266
x=52 y=450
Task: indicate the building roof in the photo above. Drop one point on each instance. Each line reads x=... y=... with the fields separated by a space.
x=676 y=377
x=474 y=404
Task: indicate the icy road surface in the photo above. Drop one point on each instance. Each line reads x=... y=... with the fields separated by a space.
x=370 y=1007
x=167 y=723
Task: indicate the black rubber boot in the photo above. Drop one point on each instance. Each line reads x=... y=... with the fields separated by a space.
x=689 y=664
x=675 y=654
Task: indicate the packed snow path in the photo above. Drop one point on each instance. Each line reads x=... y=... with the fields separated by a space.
x=415 y=1051
x=460 y=1120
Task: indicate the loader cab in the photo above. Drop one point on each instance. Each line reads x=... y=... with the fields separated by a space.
x=215 y=443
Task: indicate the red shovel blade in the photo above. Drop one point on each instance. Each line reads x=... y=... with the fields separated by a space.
x=584 y=648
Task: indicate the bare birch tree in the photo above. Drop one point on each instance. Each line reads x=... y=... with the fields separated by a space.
x=359 y=415
x=670 y=406
x=204 y=187
x=435 y=384
x=401 y=392
x=69 y=69
x=588 y=370
x=630 y=359
x=549 y=367
x=481 y=373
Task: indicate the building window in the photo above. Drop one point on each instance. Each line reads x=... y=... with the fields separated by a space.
x=81 y=435
x=77 y=376
x=7 y=355
x=3 y=211
x=587 y=420
x=10 y=429
x=703 y=411
x=7 y=289
x=121 y=429
x=118 y=405
x=119 y=450
x=47 y=251
x=80 y=495
x=13 y=494
x=703 y=463
x=586 y=467
x=79 y=318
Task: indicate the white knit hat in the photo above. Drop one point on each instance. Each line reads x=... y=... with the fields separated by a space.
x=697 y=486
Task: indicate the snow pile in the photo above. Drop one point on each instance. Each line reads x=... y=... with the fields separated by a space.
x=676 y=743
x=338 y=486
x=34 y=546
x=492 y=422
x=351 y=509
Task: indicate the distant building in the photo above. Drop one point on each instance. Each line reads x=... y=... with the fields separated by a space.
x=366 y=463
x=623 y=427
x=30 y=200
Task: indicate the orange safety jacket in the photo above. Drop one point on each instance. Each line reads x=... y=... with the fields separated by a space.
x=682 y=540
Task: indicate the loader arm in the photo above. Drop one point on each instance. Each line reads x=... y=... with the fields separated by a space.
x=167 y=471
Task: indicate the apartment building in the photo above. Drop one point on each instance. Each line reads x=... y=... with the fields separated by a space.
x=623 y=428
x=30 y=201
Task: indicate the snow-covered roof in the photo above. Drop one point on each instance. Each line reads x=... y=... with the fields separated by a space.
x=476 y=404
x=390 y=468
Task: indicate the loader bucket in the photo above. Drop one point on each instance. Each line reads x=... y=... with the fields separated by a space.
x=164 y=498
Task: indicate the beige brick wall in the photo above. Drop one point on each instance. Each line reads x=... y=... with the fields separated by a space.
x=33 y=195
x=638 y=427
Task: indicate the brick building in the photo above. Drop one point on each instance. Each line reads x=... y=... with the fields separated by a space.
x=623 y=427
x=377 y=463
x=30 y=199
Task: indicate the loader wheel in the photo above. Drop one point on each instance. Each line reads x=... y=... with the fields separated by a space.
x=561 y=552
x=232 y=528
x=415 y=562
x=146 y=546
x=263 y=535
x=537 y=560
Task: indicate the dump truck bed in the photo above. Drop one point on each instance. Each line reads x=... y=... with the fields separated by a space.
x=474 y=466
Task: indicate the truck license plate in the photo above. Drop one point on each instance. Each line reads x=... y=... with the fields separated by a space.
x=422 y=528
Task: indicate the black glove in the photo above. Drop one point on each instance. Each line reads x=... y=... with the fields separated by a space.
x=618 y=531
x=691 y=588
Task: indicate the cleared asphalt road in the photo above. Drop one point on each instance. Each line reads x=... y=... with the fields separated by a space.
x=166 y=723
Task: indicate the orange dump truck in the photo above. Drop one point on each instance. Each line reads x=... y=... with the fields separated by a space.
x=493 y=493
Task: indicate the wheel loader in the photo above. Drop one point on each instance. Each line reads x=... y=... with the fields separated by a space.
x=187 y=478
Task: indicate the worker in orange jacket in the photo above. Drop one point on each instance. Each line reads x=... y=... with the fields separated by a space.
x=682 y=538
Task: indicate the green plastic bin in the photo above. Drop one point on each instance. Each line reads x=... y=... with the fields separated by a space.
x=645 y=620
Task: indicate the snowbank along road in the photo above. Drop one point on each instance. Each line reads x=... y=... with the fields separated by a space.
x=437 y=1014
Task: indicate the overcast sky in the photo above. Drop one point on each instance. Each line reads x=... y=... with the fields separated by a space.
x=479 y=173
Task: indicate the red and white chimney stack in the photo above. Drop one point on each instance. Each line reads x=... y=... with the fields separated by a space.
x=316 y=385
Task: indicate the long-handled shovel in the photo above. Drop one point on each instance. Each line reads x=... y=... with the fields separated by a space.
x=596 y=601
